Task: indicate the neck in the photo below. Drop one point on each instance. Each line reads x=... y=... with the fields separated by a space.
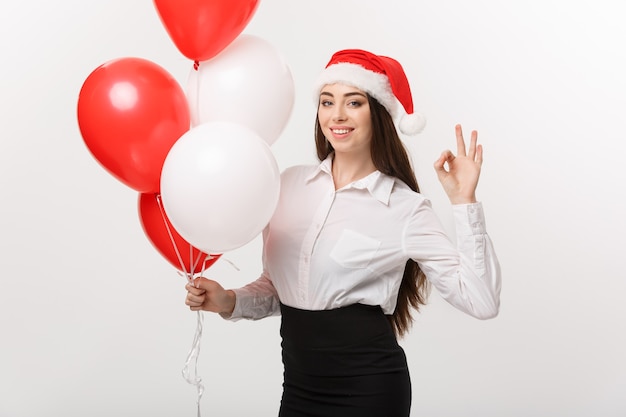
x=347 y=169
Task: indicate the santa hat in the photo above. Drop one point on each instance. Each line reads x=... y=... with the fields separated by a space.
x=379 y=76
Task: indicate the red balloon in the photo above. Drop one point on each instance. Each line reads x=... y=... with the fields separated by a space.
x=200 y=29
x=166 y=239
x=130 y=113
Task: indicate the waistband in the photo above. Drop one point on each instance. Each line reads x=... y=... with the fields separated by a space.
x=347 y=341
x=351 y=324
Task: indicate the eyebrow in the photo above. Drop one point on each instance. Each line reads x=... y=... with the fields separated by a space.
x=353 y=93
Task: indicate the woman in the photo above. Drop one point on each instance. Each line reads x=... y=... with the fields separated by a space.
x=353 y=246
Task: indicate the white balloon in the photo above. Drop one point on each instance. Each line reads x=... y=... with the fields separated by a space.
x=248 y=83
x=219 y=186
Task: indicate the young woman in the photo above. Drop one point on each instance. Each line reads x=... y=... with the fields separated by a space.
x=352 y=248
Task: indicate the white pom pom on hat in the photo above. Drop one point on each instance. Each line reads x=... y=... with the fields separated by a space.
x=379 y=76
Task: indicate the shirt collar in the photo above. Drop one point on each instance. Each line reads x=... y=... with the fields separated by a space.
x=378 y=184
x=324 y=166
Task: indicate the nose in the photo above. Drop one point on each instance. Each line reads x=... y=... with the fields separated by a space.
x=339 y=113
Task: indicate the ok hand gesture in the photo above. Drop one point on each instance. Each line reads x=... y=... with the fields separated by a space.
x=460 y=179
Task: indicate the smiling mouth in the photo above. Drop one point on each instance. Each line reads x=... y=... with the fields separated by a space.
x=341 y=131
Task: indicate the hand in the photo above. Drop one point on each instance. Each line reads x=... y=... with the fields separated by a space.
x=208 y=295
x=460 y=180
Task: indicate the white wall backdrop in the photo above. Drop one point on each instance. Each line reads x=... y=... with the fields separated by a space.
x=93 y=321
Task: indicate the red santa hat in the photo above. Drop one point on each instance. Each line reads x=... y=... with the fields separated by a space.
x=379 y=76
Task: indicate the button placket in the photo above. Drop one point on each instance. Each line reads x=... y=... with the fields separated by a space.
x=309 y=243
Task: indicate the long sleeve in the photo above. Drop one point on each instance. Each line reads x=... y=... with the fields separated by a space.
x=467 y=276
x=255 y=301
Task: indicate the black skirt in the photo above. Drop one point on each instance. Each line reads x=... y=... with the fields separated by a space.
x=344 y=362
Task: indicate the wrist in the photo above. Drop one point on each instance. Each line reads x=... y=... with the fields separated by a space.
x=231 y=299
x=463 y=200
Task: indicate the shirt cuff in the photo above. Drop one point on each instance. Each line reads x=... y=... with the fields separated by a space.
x=469 y=219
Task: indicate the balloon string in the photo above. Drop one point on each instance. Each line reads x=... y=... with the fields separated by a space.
x=231 y=263
x=194 y=354
x=193 y=263
x=169 y=232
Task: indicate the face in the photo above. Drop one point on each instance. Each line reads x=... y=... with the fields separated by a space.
x=344 y=116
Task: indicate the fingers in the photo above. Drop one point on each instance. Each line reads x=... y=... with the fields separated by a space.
x=446 y=156
x=460 y=142
x=193 y=290
x=474 y=148
x=195 y=296
x=194 y=301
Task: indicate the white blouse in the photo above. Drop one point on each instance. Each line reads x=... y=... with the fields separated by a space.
x=325 y=249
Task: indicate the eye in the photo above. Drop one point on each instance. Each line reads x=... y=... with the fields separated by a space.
x=325 y=103
x=354 y=103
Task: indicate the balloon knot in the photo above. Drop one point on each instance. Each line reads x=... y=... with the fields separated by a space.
x=196 y=64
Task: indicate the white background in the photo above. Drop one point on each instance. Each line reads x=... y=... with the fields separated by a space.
x=93 y=321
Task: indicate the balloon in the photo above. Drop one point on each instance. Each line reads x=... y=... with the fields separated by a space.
x=220 y=185
x=166 y=240
x=248 y=83
x=130 y=113
x=200 y=29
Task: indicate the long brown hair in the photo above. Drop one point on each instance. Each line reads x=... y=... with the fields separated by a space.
x=391 y=158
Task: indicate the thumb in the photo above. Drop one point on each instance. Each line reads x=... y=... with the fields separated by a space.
x=201 y=283
x=206 y=284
